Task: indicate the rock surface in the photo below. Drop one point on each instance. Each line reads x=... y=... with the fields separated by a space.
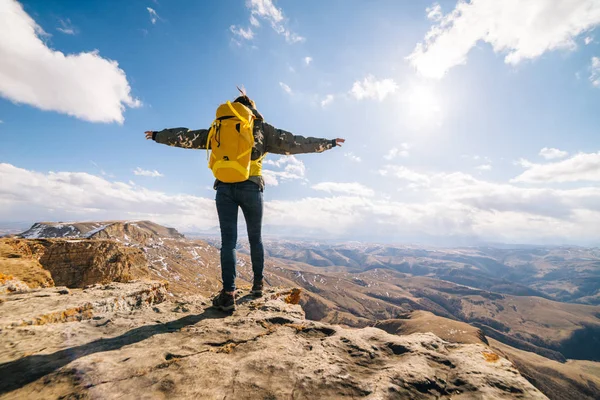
x=76 y=264
x=80 y=254
x=20 y=258
x=130 y=343
x=86 y=253
x=572 y=380
x=10 y=284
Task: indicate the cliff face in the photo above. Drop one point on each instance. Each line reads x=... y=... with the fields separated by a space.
x=78 y=254
x=20 y=258
x=86 y=262
x=71 y=263
x=130 y=341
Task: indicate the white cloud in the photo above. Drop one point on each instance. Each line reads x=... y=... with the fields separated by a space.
x=401 y=151
x=103 y=172
x=80 y=196
x=291 y=37
x=588 y=40
x=488 y=196
x=595 y=72
x=400 y=172
x=353 y=189
x=580 y=167
x=353 y=157
x=288 y=168
x=143 y=172
x=281 y=161
x=483 y=167
x=254 y=21
x=266 y=10
x=82 y=85
x=434 y=12
x=523 y=163
x=153 y=15
x=66 y=27
x=270 y=178
x=285 y=87
x=370 y=88
x=454 y=205
x=521 y=30
x=241 y=32
x=327 y=100
x=1 y=122
x=552 y=153
x=307 y=60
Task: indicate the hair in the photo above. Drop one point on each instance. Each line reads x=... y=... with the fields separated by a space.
x=245 y=100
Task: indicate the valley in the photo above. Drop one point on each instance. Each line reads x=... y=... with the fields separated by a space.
x=539 y=306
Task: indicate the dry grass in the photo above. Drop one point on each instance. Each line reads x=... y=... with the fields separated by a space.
x=5 y=278
x=573 y=380
x=294 y=296
x=444 y=328
x=297 y=327
x=15 y=261
x=69 y=315
x=227 y=349
x=490 y=357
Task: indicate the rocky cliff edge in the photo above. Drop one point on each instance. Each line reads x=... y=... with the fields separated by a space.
x=136 y=341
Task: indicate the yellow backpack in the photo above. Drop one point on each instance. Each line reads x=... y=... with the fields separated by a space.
x=230 y=140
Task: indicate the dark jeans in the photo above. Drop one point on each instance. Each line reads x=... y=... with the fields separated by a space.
x=249 y=197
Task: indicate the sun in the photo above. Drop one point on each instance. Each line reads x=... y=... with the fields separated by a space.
x=424 y=104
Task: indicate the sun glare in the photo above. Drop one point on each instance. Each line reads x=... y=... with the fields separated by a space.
x=424 y=104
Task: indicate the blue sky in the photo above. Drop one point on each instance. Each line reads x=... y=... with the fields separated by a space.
x=446 y=108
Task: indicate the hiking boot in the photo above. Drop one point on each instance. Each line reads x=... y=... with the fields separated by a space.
x=224 y=301
x=257 y=289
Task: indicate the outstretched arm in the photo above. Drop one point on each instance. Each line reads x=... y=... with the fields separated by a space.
x=180 y=137
x=279 y=141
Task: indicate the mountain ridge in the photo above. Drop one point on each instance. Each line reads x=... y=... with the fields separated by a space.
x=93 y=229
x=355 y=296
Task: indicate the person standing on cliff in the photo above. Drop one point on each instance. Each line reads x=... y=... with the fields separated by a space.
x=239 y=139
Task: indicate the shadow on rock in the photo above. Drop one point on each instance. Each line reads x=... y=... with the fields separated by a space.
x=18 y=373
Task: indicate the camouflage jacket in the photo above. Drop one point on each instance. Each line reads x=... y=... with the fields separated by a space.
x=267 y=139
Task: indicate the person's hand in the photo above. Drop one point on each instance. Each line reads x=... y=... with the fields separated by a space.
x=149 y=135
x=338 y=142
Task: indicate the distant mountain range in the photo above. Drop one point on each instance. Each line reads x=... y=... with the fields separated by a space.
x=562 y=273
x=544 y=300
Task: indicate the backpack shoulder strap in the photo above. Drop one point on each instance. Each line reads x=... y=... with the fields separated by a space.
x=211 y=132
x=244 y=120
